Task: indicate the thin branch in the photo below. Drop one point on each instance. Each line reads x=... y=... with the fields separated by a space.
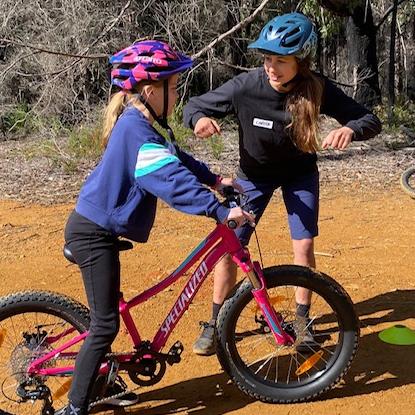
x=230 y=31
x=103 y=33
x=387 y=13
x=405 y=66
x=342 y=84
x=110 y=27
x=229 y=65
x=70 y=55
x=52 y=52
x=14 y=63
x=184 y=85
x=64 y=70
x=299 y=4
x=324 y=254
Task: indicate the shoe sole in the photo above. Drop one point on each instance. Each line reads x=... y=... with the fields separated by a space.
x=120 y=403
x=201 y=352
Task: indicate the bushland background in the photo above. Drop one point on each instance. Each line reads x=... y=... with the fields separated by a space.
x=54 y=61
x=53 y=86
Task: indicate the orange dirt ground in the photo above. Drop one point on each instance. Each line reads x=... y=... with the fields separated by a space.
x=367 y=243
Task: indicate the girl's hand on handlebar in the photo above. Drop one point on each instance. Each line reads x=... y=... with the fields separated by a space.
x=238 y=217
x=206 y=127
x=227 y=181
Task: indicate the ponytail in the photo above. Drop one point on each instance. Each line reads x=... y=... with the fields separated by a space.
x=118 y=102
x=111 y=113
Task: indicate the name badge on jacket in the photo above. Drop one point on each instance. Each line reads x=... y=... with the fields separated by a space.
x=258 y=122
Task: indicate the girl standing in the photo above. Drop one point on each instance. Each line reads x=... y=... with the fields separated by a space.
x=277 y=107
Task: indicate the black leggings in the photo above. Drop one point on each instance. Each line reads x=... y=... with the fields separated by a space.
x=95 y=251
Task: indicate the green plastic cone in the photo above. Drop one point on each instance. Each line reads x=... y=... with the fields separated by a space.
x=399 y=335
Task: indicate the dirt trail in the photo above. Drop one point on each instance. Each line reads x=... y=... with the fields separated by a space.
x=367 y=243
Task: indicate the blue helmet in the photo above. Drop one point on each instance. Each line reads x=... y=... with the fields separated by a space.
x=289 y=34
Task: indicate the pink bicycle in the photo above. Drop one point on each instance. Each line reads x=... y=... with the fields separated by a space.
x=260 y=338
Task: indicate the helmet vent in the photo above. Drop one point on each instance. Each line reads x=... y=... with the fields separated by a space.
x=288 y=34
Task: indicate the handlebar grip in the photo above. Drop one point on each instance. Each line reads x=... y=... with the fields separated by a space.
x=232 y=224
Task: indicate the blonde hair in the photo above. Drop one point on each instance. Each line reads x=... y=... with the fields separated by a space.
x=304 y=102
x=118 y=102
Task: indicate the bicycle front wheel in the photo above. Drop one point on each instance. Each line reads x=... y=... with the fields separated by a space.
x=276 y=373
x=32 y=324
x=408 y=181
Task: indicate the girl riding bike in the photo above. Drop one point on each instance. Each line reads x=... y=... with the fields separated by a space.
x=119 y=197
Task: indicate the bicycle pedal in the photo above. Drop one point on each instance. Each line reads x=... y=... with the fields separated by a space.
x=174 y=353
x=113 y=372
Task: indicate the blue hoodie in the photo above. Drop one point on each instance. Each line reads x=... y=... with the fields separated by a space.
x=137 y=167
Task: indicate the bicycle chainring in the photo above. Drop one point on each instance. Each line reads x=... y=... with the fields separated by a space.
x=147 y=371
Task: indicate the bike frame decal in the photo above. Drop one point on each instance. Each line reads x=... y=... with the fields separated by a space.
x=187 y=294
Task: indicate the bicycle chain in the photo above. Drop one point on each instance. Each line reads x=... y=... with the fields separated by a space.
x=117 y=395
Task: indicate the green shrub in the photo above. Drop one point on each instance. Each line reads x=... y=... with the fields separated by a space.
x=85 y=142
x=403 y=114
x=216 y=145
x=18 y=120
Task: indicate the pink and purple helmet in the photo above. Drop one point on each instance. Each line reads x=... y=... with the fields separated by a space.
x=147 y=60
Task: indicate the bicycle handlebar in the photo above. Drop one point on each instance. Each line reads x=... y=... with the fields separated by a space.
x=231 y=196
x=232 y=200
x=232 y=224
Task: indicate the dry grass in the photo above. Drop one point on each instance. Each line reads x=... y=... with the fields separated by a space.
x=32 y=177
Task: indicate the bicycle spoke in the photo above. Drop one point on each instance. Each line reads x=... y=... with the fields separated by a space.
x=276 y=369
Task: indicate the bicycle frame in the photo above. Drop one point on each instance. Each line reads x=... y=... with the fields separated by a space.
x=219 y=242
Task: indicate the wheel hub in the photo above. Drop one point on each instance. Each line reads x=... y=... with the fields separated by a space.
x=31 y=348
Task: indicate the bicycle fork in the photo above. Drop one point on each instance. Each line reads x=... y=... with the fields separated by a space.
x=263 y=301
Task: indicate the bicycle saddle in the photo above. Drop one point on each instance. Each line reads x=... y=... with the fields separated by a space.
x=123 y=245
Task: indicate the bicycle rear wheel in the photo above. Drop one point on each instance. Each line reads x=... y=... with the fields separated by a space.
x=408 y=181
x=281 y=374
x=31 y=325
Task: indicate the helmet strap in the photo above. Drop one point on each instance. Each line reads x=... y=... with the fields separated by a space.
x=165 y=107
x=165 y=99
x=162 y=121
x=294 y=79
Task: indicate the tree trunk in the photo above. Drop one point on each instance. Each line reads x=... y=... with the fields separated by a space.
x=361 y=47
x=319 y=56
x=391 y=74
x=362 y=55
x=411 y=61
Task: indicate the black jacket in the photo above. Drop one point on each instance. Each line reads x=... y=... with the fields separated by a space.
x=267 y=154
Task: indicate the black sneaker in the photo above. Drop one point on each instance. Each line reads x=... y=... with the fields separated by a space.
x=205 y=344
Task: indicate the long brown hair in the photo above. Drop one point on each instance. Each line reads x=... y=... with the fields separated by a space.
x=118 y=102
x=304 y=102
